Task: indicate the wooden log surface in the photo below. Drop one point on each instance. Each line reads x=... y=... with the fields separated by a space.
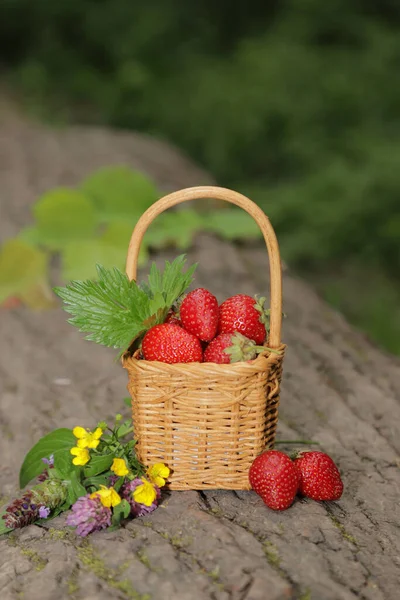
x=338 y=389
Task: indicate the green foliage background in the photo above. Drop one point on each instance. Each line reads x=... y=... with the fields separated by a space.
x=296 y=103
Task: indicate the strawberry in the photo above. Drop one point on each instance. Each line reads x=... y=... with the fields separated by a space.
x=199 y=314
x=173 y=317
x=319 y=476
x=275 y=479
x=244 y=314
x=170 y=343
x=230 y=348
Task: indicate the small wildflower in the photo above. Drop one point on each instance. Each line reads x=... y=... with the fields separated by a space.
x=86 y=438
x=108 y=496
x=49 y=461
x=145 y=493
x=119 y=467
x=158 y=473
x=82 y=456
x=138 y=509
x=89 y=514
x=21 y=512
x=44 y=512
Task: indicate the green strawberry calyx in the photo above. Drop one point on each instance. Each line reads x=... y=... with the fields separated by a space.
x=243 y=349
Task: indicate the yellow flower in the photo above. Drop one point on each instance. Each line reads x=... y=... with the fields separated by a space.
x=82 y=456
x=108 y=496
x=119 y=467
x=86 y=438
x=158 y=473
x=145 y=493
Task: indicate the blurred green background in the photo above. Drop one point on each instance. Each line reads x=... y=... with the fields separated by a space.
x=295 y=103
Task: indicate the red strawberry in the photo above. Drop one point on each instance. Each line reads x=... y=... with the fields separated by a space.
x=244 y=314
x=170 y=343
x=319 y=476
x=275 y=479
x=199 y=314
x=230 y=348
x=173 y=317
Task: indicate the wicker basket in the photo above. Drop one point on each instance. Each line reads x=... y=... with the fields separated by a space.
x=207 y=421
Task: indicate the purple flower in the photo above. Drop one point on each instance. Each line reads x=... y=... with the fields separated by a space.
x=49 y=461
x=88 y=514
x=138 y=510
x=44 y=512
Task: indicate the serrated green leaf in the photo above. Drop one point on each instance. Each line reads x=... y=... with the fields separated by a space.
x=120 y=512
x=97 y=465
x=64 y=215
x=115 y=311
x=232 y=225
x=120 y=193
x=21 y=267
x=33 y=465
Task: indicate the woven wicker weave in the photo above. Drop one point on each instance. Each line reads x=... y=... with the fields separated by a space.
x=207 y=421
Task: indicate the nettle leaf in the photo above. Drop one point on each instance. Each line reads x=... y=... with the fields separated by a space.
x=97 y=465
x=33 y=465
x=232 y=225
x=21 y=268
x=64 y=215
x=120 y=512
x=120 y=193
x=174 y=229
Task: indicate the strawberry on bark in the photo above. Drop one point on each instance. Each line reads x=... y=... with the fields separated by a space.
x=275 y=479
x=319 y=476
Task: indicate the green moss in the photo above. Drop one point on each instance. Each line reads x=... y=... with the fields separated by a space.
x=87 y=555
x=35 y=558
x=306 y=595
x=345 y=534
x=58 y=534
x=72 y=583
x=179 y=542
x=271 y=553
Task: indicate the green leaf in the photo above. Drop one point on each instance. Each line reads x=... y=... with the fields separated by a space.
x=120 y=512
x=174 y=228
x=64 y=215
x=128 y=402
x=118 y=235
x=118 y=483
x=115 y=311
x=33 y=465
x=124 y=429
x=97 y=480
x=3 y=528
x=232 y=225
x=63 y=462
x=79 y=259
x=21 y=267
x=75 y=489
x=98 y=464
x=120 y=193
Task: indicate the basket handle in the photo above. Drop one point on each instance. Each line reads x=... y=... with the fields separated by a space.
x=252 y=209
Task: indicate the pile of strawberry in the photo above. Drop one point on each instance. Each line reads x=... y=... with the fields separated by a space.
x=277 y=479
x=202 y=331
